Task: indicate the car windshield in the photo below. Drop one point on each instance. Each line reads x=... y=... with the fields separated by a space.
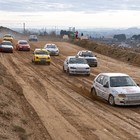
x=23 y=43
x=51 y=46
x=77 y=61
x=85 y=54
x=6 y=43
x=41 y=53
x=32 y=36
x=121 y=81
x=7 y=36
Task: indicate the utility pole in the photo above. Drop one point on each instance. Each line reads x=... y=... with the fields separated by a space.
x=24 y=28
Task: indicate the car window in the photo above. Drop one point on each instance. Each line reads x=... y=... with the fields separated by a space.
x=100 y=79
x=77 y=61
x=41 y=53
x=23 y=43
x=51 y=46
x=85 y=54
x=120 y=81
x=6 y=43
x=105 y=80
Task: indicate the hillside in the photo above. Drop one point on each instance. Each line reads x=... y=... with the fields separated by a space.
x=129 y=55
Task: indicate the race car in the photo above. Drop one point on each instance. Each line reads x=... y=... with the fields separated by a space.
x=41 y=56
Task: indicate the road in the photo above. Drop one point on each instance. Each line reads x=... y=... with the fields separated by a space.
x=63 y=103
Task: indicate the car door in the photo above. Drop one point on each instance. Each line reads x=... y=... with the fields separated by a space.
x=105 y=88
x=66 y=64
x=99 y=85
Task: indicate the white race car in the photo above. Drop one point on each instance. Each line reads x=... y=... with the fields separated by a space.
x=116 y=88
x=89 y=56
x=52 y=49
x=74 y=65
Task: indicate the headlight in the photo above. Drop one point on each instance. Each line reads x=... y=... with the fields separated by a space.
x=72 y=68
x=87 y=68
x=37 y=57
x=121 y=95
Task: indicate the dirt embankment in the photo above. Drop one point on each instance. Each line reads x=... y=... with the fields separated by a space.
x=124 y=54
x=18 y=121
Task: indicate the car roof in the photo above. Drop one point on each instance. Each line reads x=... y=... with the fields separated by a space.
x=71 y=57
x=6 y=41
x=22 y=40
x=39 y=49
x=50 y=44
x=85 y=51
x=114 y=74
x=8 y=35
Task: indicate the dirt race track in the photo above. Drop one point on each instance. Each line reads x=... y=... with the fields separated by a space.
x=41 y=102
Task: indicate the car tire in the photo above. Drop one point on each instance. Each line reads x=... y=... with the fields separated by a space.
x=93 y=93
x=49 y=63
x=111 y=100
x=88 y=74
x=64 y=69
x=68 y=72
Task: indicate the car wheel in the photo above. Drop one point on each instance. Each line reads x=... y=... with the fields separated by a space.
x=68 y=72
x=49 y=63
x=64 y=69
x=93 y=93
x=111 y=100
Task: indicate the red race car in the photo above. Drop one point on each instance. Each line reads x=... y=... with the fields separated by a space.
x=22 y=45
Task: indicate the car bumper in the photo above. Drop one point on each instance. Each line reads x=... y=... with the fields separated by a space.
x=11 y=40
x=24 y=49
x=79 y=72
x=119 y=101
x=94 y=64
x=42 y=61
x=6 y=50
x=54 y=53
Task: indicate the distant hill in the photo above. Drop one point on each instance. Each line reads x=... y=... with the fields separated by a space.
x=15 y=34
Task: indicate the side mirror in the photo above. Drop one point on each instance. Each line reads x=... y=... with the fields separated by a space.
x=106 y=85
x=138 y=84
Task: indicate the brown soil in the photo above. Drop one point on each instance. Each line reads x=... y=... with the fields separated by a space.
x=41 y=102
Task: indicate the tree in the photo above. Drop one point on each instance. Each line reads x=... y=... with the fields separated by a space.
x=120 y=37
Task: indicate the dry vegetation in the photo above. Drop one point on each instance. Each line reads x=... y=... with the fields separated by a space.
x=124 y=54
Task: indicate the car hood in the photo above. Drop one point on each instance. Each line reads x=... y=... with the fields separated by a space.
x=87 y=57
x=52 y=49
x=79 y=65
x=8 y=38
x=6 y=46
x=25 y=45
x=126 y=90
x=42 y=56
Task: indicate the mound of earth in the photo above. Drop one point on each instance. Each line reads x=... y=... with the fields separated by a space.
x=123 y=54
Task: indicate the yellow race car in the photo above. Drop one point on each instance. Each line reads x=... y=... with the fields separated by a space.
x=8 y=37
x=41 y=56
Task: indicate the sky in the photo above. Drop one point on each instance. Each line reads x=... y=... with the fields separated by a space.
x=72 y=13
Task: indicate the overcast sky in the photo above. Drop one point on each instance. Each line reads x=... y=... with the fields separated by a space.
x=72 y=13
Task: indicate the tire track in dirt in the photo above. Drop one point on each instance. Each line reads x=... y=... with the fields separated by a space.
x=53 y=80
x=96 y=113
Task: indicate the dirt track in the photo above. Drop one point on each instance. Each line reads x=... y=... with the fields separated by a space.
x=63 y=103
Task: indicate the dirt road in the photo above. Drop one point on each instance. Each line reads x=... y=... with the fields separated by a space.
x=63 y=104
